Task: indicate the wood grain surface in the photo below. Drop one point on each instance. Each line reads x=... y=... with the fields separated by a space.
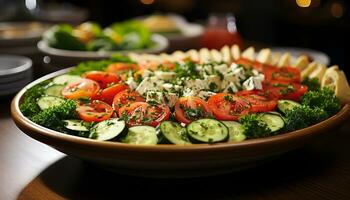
x=34 y=171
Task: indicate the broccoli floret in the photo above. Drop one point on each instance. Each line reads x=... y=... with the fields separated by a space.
x=53 y=116
x=324 y=99
x=254 y=127
x=312 y=84
x=29 y=106
x=303 y=116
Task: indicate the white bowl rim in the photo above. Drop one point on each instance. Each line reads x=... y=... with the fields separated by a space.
x=26 y=64
x=161 y=44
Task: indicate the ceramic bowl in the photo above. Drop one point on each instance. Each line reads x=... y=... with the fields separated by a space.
x=171 y=160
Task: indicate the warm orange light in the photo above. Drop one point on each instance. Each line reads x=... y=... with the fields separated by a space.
x=303 y=3
x=337 y=10
x=147 y=2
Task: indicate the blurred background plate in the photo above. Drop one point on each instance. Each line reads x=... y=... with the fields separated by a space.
x=180 y=33
x=65 y=58
x=15 y=73
x=312 y=54
x=21 y=33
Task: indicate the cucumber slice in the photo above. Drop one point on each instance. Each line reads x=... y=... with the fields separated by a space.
x=54 y=90
x=207 y=131
x=65 y=79
x=108 y=129
x=75 y=125
x=46 y=102
x=235 y=131
x=145 y=135
x=273 y=121
x=284 y=105
x=174 y=133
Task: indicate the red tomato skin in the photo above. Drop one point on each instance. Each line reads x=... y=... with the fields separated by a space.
x=96 y=111
x=274 y=90
x=109 y=93
x=192 y=102
x=288 y=74
x=222 y=108
x=119 y=68
x=125 y=97
x=258 y=100
x=102 y=78
x=143 y=108
x=81 y=88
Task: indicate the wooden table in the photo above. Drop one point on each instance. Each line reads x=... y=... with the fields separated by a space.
x=31 y=170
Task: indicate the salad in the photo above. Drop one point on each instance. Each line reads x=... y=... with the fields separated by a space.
x=89 y=36
x=204 y=96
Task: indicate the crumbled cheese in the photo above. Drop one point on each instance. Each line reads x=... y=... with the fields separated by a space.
x=147 y=73
x=212 y=80
x=205 y=94
x=228 y=79
x=188 y=92
x=196 y=85
x=221 y=68
x=165 y=75
x=254 y=82
x=239 y=72
x=231 y=87
x=149 y=83
x=170 y=98
x=155 y=96
x=131 y=82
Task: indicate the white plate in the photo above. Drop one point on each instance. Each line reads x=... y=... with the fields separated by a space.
x=318 y=56
x=11 y=65
x=188 y=30
x=21 y=33
x=161 y=43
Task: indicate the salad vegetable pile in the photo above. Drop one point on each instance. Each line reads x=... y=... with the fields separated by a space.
x=89 y=36
x=179 y=102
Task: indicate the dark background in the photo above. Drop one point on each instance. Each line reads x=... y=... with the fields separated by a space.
x=323 y=25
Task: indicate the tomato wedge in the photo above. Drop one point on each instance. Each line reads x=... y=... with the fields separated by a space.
x=188 y=109
x=126 y=97
x=102 y=78
x=81 y=88
x=227 y=106
x=120 y=68
x=95 y=111
x=107 y=94
x=288 y=74
x=285 y=90
x=142 y=113
x=259 y=102
x=253 y=64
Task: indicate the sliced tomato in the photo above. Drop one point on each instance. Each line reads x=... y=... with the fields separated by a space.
x=227 y=106
x=107 y=94
x=285 y=90
x=94 y=111
x=121 y=68
x=289 y=74
x=102 y=78
x=81 y=88
x=188 y=109
x=142 y=113
x=258 y=100
x=253 y=64
x=167 y=65
x=148 y=65
x=126 y=97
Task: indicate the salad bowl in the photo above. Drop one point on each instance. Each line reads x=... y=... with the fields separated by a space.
x=167 y=160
